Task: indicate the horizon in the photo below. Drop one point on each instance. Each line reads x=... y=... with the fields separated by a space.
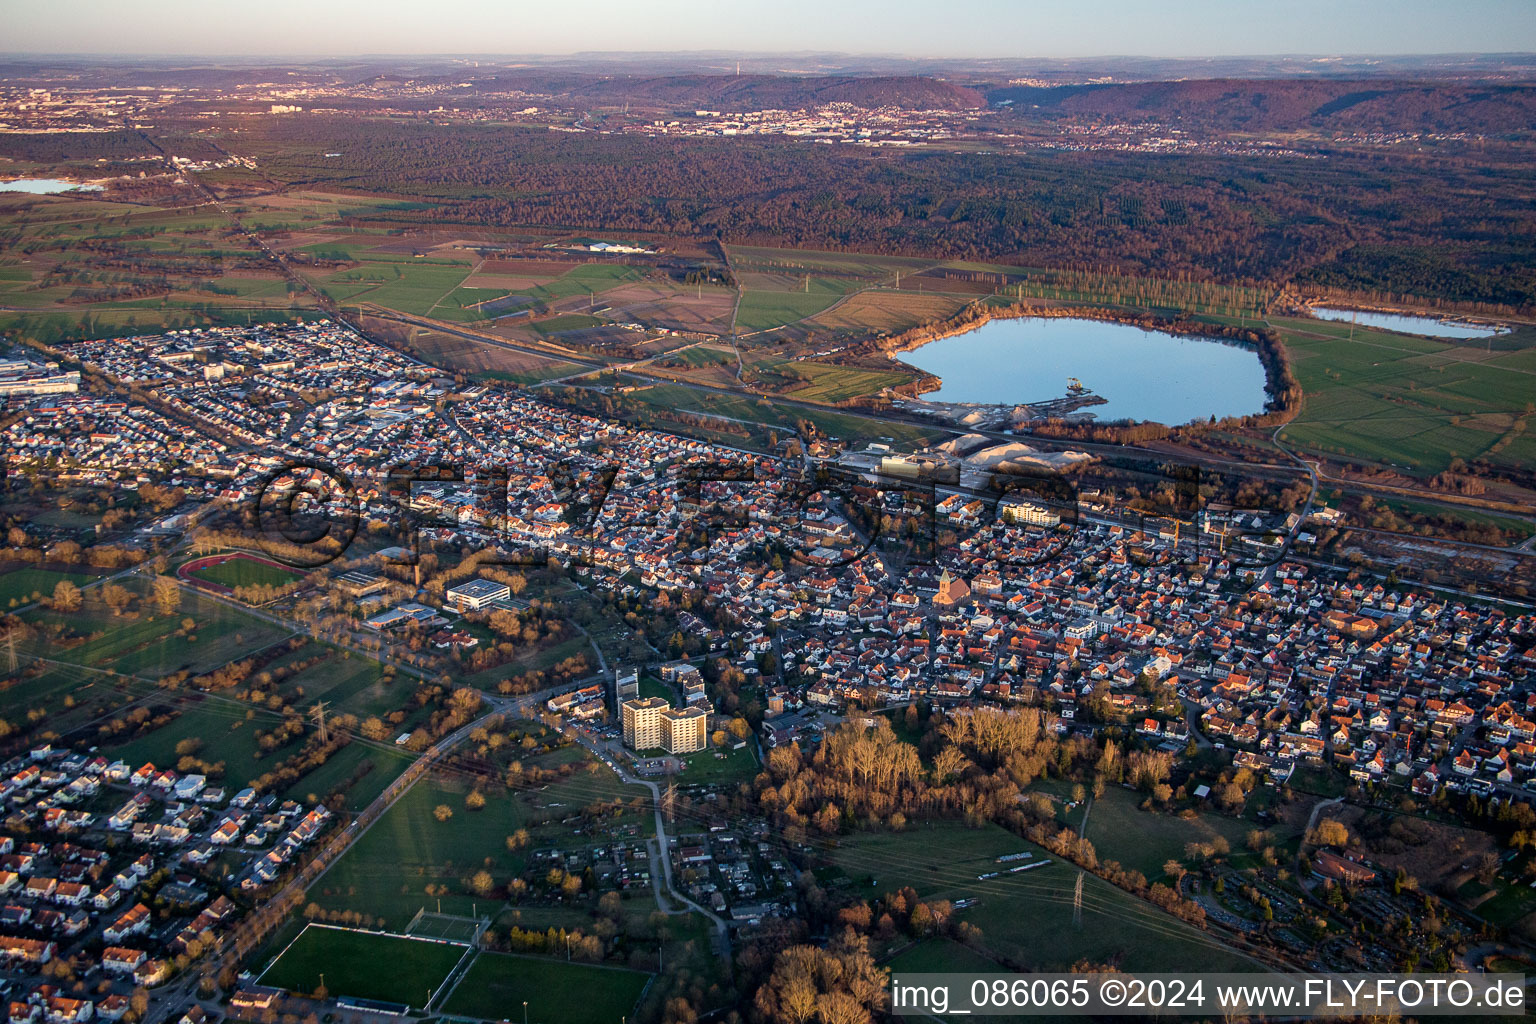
x=980 y=30
x=509 y=55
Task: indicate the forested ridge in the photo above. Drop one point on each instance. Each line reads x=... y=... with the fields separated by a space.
x=1251 y=105
x=1463 y=229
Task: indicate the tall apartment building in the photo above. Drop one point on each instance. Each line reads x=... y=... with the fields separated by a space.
x=642 y=722
x=684 y=730
x=650 y=723
x=626 y=686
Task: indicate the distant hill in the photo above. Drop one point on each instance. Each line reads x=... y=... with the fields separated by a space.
x=745 y=92
x=1245 y=104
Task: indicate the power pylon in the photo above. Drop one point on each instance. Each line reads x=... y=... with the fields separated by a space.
x=318 y=713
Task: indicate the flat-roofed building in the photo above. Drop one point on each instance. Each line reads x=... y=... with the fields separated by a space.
x=642 y=722
x=626 y=686
x=684 y=730
x=360 y=583
x=1029 y=513
x=477 y=593
x=650 y=723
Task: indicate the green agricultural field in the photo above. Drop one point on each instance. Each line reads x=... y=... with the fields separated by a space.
x=415 y=287
x=785 y=301
x=556 y=992
x=833 y=384
x=1411 y=402
x=246 y=572
x=591 y=277
x=812 y=261
x=1026 y=918
x=389 y=968
x=567 y=322
x=465 y=303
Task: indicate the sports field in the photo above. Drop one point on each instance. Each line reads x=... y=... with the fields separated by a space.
x=496 y=985
x=364 y=965
x=243 y=571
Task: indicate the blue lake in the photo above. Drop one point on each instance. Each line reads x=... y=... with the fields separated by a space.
x=45 y=186
x=1143 y=375
x=1425 y=325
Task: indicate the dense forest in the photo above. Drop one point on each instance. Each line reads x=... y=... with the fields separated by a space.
x=1463 y=228
x=1292 y=103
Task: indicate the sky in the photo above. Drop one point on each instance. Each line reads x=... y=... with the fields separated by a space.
x=930 y=28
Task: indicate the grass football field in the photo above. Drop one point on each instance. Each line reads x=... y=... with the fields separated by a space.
x=364 y=965
x=496 y=985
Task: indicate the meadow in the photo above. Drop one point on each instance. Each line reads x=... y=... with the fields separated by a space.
x=22 y=585
x=808 y=381
x=719 y=766
x=1143 y=840
x=350 y=684
x=143 y=642
x=1026 y=919
x=386 y=873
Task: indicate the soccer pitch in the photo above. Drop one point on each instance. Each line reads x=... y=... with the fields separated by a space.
x=364 y=965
